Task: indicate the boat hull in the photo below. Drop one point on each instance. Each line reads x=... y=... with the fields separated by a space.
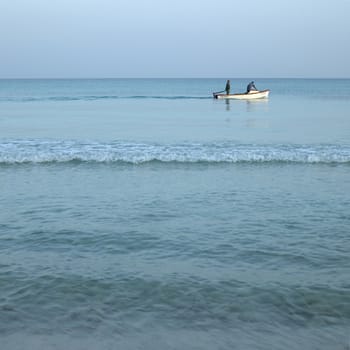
x=252 y=95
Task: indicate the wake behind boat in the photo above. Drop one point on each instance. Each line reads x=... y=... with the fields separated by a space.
x=243 y=96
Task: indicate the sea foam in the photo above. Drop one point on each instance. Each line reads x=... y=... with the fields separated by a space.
x=45 y=151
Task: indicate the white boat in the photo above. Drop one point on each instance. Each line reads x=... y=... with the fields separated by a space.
x=243 y=96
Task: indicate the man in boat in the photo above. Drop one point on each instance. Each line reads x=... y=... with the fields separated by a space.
x=227 y=87
x=251 y=87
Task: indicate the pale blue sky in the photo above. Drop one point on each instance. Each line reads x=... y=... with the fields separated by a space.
x=182 y=38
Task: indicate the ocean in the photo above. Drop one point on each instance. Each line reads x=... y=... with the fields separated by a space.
x=144 y=214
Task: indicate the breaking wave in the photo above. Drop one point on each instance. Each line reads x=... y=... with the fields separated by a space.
x=46 y=151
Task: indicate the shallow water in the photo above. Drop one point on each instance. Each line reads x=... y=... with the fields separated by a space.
x=142 y=214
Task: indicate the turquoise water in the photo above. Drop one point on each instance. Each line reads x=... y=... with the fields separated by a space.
x=144 y=214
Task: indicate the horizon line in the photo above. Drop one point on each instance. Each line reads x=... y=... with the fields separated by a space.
x=113 y=78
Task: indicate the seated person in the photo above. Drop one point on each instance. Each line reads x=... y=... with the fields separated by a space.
x=251 y=87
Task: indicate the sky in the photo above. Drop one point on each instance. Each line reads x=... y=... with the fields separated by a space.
x=182 y=38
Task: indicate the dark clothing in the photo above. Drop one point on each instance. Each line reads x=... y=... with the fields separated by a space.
x=228 y=87
x=251 y=87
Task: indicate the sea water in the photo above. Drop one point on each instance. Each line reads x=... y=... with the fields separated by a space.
x=144 y=214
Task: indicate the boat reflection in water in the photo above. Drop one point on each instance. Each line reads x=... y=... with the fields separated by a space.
x=257 y=105
x=251 y=105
